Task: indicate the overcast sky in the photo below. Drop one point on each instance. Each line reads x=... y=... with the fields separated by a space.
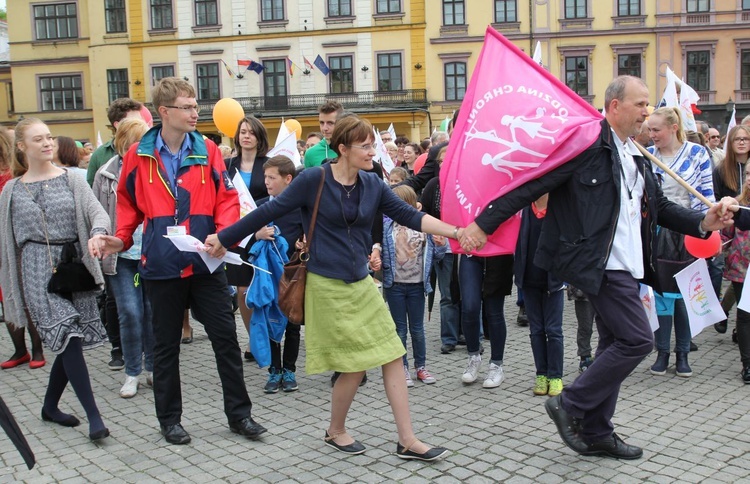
x=2 y=3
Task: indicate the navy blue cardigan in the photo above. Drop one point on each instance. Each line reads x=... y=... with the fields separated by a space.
x=338 y=251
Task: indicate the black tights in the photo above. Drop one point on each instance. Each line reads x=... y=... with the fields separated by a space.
x=70 y=366
x=17 y=335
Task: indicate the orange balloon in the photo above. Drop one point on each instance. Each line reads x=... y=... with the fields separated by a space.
x=294 y=127
x=227 y=115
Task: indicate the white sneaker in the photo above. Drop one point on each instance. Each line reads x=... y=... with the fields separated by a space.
x=149 y=378
x=409 y=381
x=130 y=388
x=472 y=369
x=494 y=377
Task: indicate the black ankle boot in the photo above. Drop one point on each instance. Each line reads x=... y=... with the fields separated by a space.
x=681 y=365
x=662 y=363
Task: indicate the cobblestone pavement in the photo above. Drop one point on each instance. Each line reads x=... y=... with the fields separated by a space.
x=692 y=430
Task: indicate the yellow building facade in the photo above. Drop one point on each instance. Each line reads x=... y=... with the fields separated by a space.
x=400 y=62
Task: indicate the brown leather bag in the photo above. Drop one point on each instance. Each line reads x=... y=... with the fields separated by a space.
x=292 y=284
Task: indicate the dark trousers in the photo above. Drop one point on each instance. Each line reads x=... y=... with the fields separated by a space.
x=111 y=319
x=585 y=316
x=208 y=297
x=291 y=350
x=743 y=327
x=625 y=339
x=545 y=312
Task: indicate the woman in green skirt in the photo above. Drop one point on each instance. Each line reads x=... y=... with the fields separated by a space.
x=348 y=327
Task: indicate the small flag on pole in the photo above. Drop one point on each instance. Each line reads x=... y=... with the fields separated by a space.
x=244 y=62
x=321 y=65
x=229 y=70
x=291 y=66
x=255 y=67
x=308 y=64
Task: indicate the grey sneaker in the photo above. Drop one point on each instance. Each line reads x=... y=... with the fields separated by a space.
x=116 y=362
x=472 y=369
x=407 y=374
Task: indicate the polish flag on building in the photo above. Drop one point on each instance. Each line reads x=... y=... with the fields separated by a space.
x=516 y=123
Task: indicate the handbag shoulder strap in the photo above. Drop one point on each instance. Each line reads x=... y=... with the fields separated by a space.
x=317 y=205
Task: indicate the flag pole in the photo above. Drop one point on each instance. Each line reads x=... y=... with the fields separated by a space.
x=674 y=175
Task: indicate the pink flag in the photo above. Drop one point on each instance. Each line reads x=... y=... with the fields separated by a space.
x=517 y=122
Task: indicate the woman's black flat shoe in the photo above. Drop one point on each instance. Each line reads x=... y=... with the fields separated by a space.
x=67 y=421
x=352 y=449
x=99 y=434
x=429 y=456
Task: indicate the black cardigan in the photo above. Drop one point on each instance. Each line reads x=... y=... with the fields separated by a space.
x=257 y=182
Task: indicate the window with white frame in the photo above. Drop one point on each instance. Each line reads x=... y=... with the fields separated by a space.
x=454 y=12
x=161 y=15
x=506 y=11
x=388 y=6
x=339 y=8
x=271 y=10
x=115 y=18
x=207 y=81
x=341 y=77
x=160 y=72
x=575 y=9
x=117 y=84
x=390 y=72
x=61 y=92
x=55 y=21
x=206 y=13
x=454 y=75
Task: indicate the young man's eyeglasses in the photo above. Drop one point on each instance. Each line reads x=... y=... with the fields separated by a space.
x=195 y=108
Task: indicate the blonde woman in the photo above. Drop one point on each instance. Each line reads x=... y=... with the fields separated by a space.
x=692 y=163
x=42 y=209
x=121 y=270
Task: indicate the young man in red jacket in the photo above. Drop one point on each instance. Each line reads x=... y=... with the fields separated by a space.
x=176 y=183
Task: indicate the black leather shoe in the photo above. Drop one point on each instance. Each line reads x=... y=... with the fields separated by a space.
x=66 y=421
x=99 y=434
x=247 y=427
x=429 y=456
x=352 y=449
x=721 y=327
x=175 y=434
x=615 y=448
x=445 y=349
x=567 y=426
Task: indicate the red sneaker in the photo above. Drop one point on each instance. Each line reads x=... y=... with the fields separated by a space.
x=425 y=377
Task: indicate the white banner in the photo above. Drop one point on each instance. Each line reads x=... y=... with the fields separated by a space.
x=649 y=305
x=703 y=307
x=288 y=148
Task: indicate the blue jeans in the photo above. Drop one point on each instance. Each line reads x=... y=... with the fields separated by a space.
x=470 y=278
x=408 y=300
x=449 y=311
x=545 y=312
x=663 y=335
x=134 y=312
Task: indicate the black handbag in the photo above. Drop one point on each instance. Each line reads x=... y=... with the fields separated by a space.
x=671 y=258
x=70 y=275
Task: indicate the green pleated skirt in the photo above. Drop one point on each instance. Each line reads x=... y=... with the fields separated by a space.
x=348 y=327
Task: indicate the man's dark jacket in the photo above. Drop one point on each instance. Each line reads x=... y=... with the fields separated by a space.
x=584 y=204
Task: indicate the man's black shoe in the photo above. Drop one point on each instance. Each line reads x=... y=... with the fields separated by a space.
x=175 y=434
x=567 y=426
x=461 y=341
x=615 y=448
x=446 y=349
x=746 y=375
x=721 y=327
x=247 y=427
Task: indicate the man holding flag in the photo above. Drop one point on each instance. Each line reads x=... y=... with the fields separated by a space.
x=599 y=235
